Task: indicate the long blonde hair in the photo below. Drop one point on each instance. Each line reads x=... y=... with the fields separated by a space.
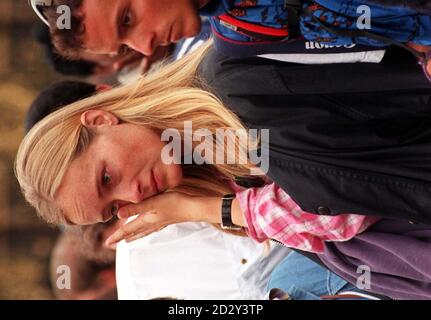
x=166 y=98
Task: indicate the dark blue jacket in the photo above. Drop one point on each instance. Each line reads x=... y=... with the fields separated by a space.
x=344 y=138
x=397 y=23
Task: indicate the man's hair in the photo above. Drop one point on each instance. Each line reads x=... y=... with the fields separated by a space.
x=89 y=241
x=56 y=96
x=68 y=42
x=85 y=272
x=57 y=62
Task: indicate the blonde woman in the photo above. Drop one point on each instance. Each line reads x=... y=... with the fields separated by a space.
x=103 y=156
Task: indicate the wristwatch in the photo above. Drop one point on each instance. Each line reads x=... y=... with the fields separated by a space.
x=226 y=213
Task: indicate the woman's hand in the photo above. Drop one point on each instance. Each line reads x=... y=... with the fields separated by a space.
x=162 y=210
x=427 y=51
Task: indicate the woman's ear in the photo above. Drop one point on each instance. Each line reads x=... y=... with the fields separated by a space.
x=98 y=118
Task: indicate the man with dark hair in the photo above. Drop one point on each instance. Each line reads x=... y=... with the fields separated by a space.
x=67 y=41
x=56 y=96
x=100 y=67
x=91 y=263
x=240 y=27
x=58 y=63
x=67 y=92
x=86 y=23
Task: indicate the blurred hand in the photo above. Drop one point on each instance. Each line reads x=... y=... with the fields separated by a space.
x=128 y=59
x=107 y=64
x=427 y=51
x=132 y=59
x=159 y=54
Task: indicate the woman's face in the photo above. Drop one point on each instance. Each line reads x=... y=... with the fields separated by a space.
x=122 y=165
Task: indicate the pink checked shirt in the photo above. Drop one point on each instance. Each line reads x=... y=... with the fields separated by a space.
x=270 y=213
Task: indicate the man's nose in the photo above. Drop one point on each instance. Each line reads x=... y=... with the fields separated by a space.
x=143 y=44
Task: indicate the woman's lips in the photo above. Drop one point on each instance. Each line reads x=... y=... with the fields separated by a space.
x=154 y=183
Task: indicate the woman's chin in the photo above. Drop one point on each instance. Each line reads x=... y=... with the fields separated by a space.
x=174 y=180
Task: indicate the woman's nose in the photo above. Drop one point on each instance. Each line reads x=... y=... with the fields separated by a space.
x=130 y=194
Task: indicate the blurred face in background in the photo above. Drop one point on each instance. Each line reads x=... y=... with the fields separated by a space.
x=91 y=262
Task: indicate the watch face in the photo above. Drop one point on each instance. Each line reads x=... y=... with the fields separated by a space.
x=231 y=228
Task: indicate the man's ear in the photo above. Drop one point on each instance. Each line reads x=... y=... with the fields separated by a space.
x=98 y=118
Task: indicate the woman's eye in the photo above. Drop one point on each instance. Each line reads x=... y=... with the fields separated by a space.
x=106 y=179
x=127 y=19
x=114 y=209
x=124 y=49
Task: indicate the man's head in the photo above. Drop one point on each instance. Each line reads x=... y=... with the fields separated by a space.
x=91 y=265
x=81 y=68
x=90 y=241
x=89 y=64
x=56 y=96
x=114 y=26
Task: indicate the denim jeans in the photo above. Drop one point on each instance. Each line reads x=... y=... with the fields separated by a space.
x=303 y=279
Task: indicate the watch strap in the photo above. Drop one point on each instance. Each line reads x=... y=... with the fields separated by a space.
x=226 y=213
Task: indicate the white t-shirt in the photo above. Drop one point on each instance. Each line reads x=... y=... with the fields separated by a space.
x=195 y=261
